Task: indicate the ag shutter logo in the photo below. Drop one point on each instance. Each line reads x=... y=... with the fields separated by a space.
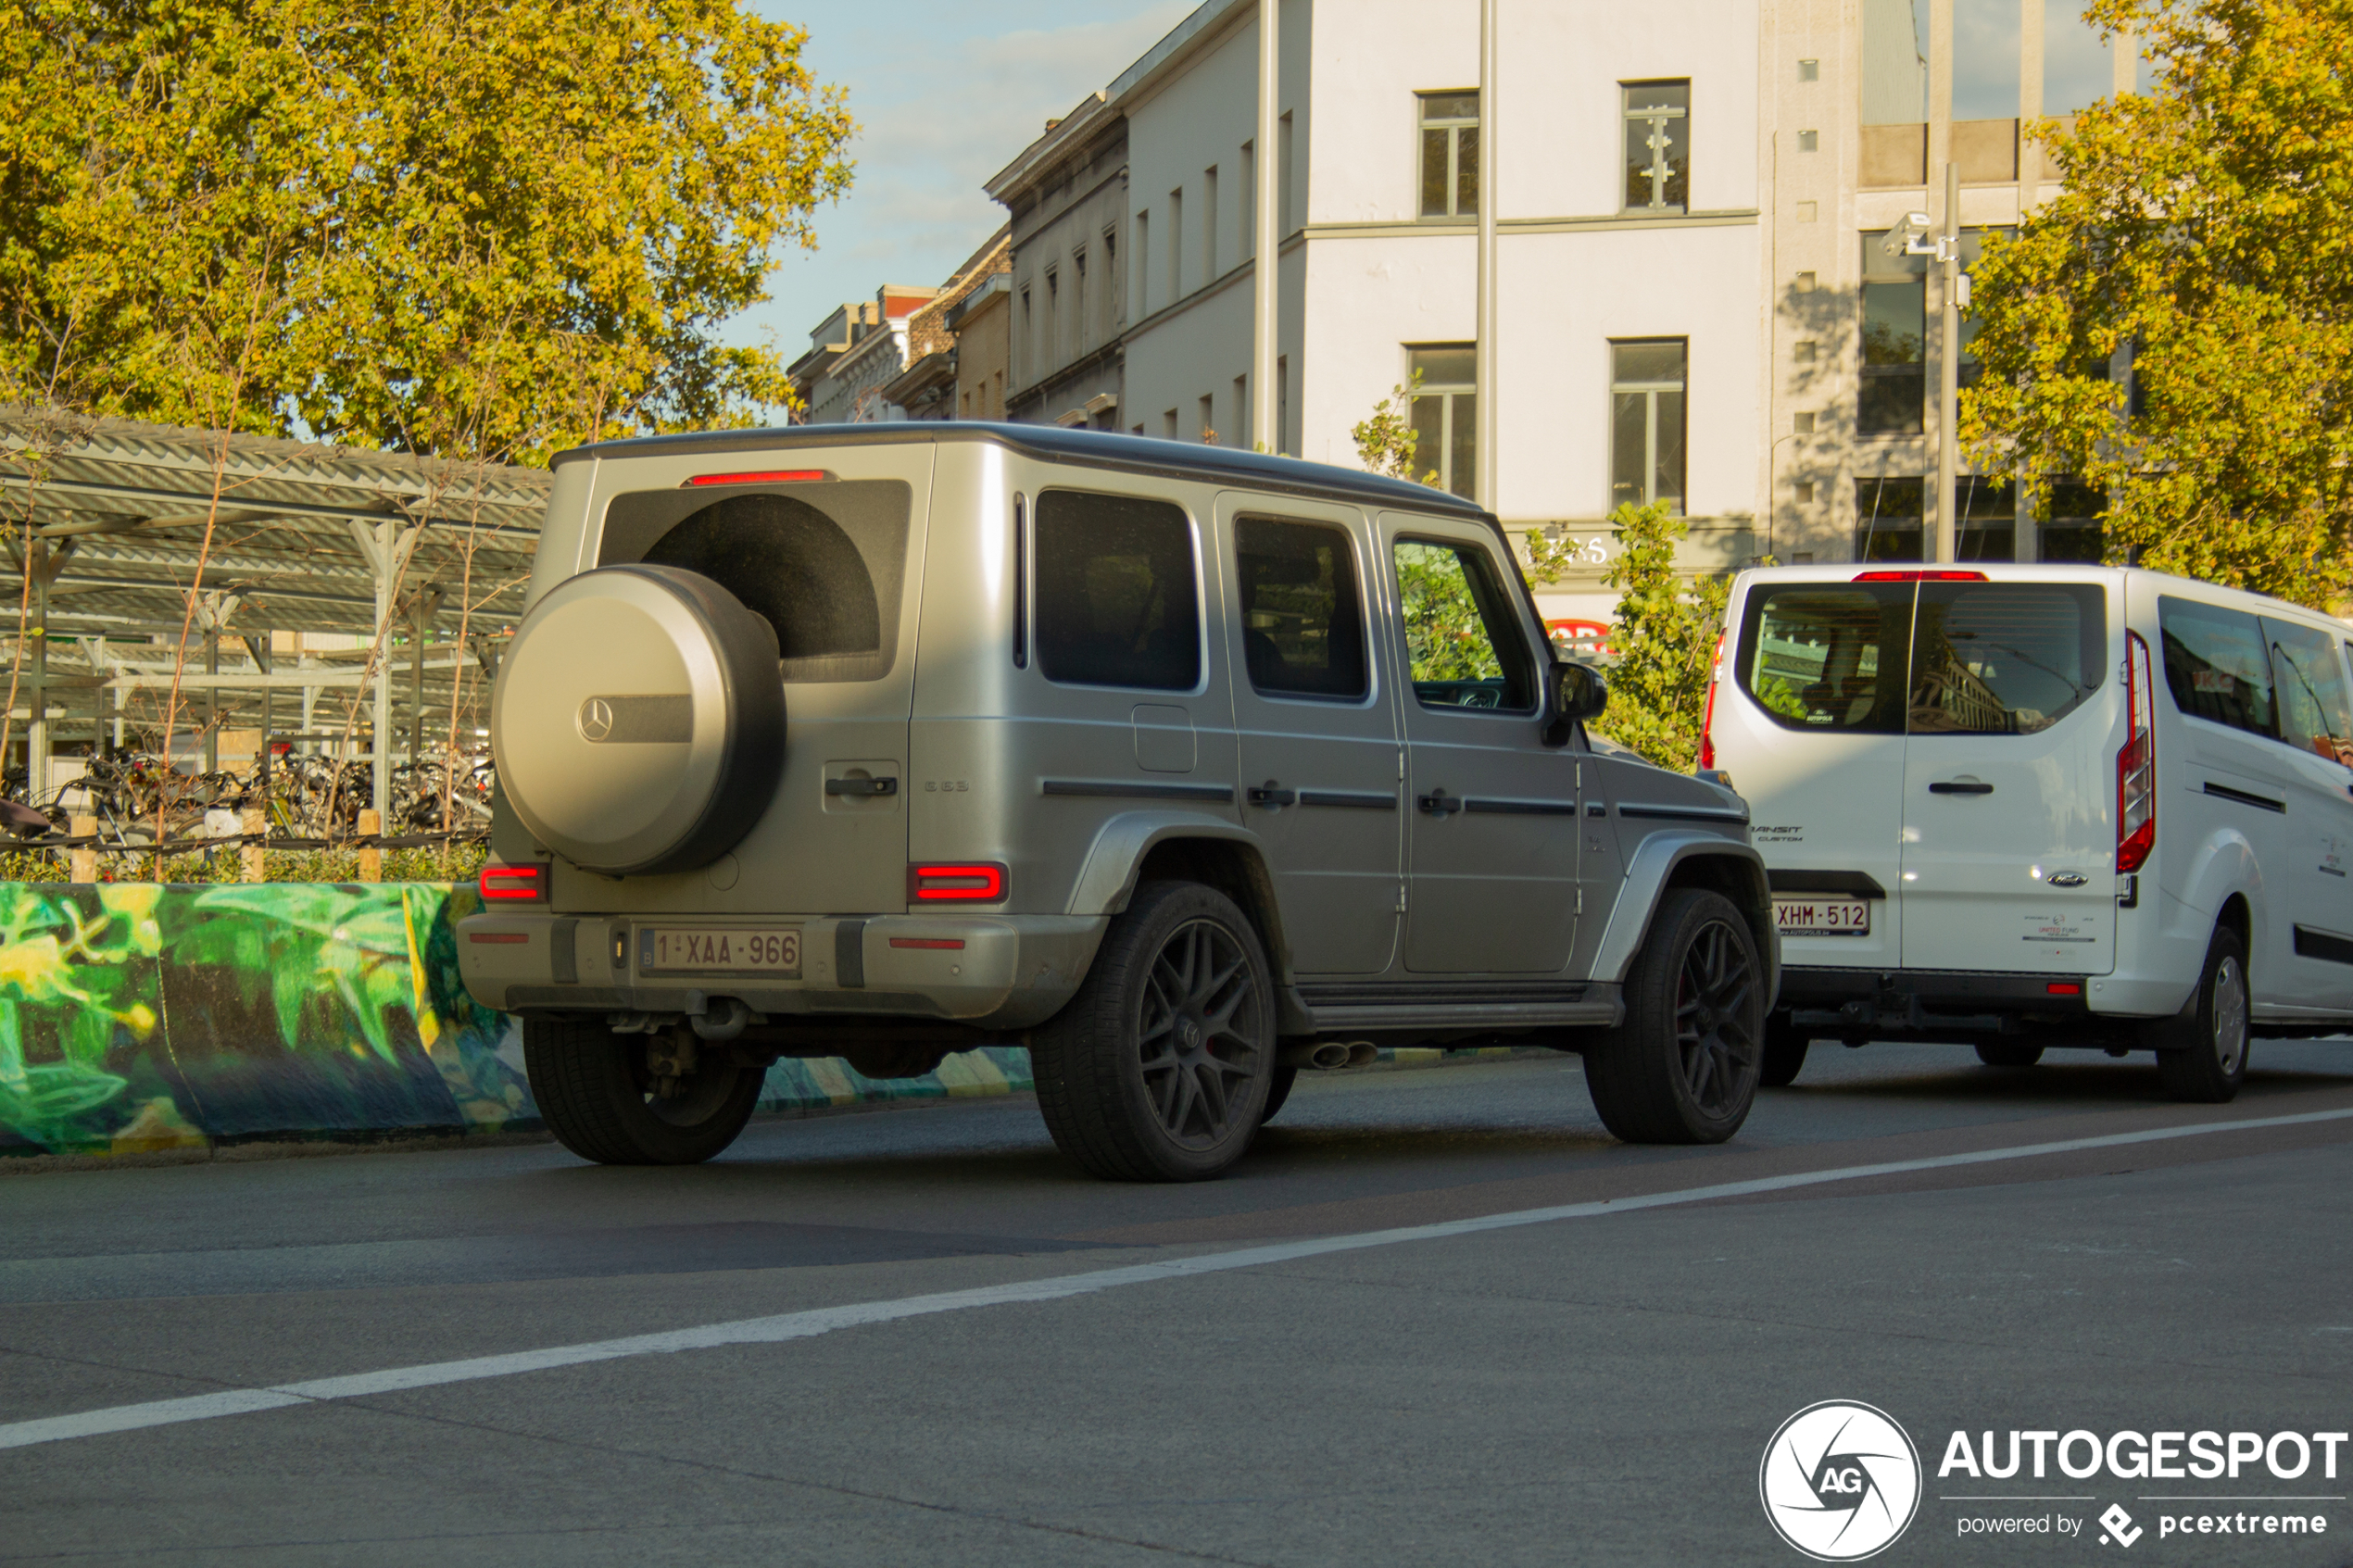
x=1840 y=1481
x=2120 y=1524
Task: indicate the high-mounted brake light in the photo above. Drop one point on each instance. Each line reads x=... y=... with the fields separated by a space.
x=513 y=885
x=2137 y=763
x=1921 y=577
x=1708 y=718
x=981 y=883
x=764 y=476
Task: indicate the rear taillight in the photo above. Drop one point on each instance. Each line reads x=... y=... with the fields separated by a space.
x=513 y=885
x=2137 y=763
x=956 y=883
x=1707 y=715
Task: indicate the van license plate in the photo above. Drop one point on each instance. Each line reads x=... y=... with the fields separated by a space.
x=1822 y=917
x=706 y=949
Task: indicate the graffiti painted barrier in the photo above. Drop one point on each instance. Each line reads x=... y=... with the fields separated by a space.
x=136 y=1018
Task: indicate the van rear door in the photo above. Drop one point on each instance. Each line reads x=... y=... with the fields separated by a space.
x=1814 y=741
x=2008 y=785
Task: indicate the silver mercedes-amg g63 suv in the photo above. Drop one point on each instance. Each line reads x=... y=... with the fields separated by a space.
x=1184 y=767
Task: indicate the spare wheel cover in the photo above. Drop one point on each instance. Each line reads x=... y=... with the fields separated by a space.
x=638 y=720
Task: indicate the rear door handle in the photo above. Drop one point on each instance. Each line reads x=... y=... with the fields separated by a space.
x=1270 y=795
x=1960 y=787
x=1437 y=803
x=861 y=788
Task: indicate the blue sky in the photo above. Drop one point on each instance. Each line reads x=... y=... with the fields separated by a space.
x=945 y=96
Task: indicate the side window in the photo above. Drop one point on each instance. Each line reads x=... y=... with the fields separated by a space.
x=823 y=562
x=1118 y=598
x=1826 y=657
x=1460 y=633
x=1302 y=628
x=2003 y=659
x=2315 y=714
x=2215 y=664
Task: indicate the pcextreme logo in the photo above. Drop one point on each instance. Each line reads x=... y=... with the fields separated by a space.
x=1840 y=1481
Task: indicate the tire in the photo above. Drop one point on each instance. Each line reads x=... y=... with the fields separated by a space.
x=1784 y=1054
x=599 y=1098
x=1278 y=1087
x=2201 y=1054
x=1683 y=1066
x=2009 y=1053
x=1159 y=1069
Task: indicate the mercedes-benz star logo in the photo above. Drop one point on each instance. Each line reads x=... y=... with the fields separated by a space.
x=1840 y=1481
x=595 y=719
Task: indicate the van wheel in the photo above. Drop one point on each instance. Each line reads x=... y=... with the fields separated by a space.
x=2201 y=1054
x=2009 y=1053
x=1158 y=1071
x=601 y=1099
x=1683 y=1066
x=1784 y=1054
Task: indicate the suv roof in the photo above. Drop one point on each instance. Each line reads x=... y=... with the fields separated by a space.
x=1096 y=448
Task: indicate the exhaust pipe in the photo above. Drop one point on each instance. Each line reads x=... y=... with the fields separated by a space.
x=1327 y=1056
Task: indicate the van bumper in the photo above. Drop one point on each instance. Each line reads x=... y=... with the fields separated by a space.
x=1926 y=1003
x=990 y=972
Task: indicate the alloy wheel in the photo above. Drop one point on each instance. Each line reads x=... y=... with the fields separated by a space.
x=1200 y=1033
x=1715 y=1032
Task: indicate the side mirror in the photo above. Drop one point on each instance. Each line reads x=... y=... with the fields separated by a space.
x=1577 y=693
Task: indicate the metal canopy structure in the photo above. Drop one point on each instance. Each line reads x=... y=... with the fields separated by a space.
x=105 y=522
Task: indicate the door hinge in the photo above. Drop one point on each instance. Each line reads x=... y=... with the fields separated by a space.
x=1401 y=767
x=1580 y=901
x=1401 y=898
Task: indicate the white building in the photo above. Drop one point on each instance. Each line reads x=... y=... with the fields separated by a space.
x=1688 y=199
x=854 y=354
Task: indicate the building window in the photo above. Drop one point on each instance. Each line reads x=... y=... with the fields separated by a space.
x=1658 y=146
x=1029 y=327
x=1248 y=206
x=1053 y=355
x=1110 y=276
x=2073 y=531
x=1243 y=414
x=1450 y=154
x=1896 y=39
x=1207 y=435
x=1888 y=515
x=1809 y=141
x=1143 y=263
x=1168 y=424
x=1894 y=389
x=1078 y=322
x=1176 y=245
x=1987 y=54
x=1209 y=224
x=1810 y=71
x=1446 y=413
x=1646 y=422
x=1984 y=518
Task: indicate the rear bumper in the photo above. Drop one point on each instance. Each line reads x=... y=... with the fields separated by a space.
x=1928 y=1004
x=1010 y=971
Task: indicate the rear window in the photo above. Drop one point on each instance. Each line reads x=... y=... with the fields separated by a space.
x=1303 y=631
x=823 y=562
x=2215 y=664
x=1119 y=593
x=2005 y=658
x=1826 y=657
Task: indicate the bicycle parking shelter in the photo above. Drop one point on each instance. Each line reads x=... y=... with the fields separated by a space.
x=105 y=527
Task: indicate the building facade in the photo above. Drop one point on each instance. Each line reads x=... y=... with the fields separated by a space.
x=928 y=388
x=854 y=354
x=1067 y=198
x=1693 y=304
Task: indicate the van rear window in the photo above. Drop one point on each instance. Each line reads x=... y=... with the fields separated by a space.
x=1827 y=655
x=821 y=563
x=1118 y=593
x=2005 y=658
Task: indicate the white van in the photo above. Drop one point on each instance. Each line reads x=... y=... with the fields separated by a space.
x=2030 y=805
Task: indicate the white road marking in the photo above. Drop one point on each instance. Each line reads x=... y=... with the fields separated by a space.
x=824 y=1320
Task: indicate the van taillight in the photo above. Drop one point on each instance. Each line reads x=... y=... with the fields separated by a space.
x=958 y=883
x=1707 y=715
x=2137 y=763
x=513 y=885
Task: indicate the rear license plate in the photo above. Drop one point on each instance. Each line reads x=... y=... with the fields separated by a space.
x=1822 y=917
x=711 y=949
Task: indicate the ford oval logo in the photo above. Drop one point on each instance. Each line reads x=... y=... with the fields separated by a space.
x=2068 y=879
x=595 y=721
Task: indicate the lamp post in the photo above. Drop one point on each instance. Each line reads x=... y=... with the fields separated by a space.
x=1917 y=236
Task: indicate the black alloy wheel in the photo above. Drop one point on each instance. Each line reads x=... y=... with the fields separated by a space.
x=1684 y=1065
x=1159 y=1069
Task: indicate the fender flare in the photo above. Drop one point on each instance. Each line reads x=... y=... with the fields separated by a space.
x=1647 y=871
x=1108 y=878
x=2223 y=865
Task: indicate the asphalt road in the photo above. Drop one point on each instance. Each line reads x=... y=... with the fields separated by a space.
x=1213 y=1380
